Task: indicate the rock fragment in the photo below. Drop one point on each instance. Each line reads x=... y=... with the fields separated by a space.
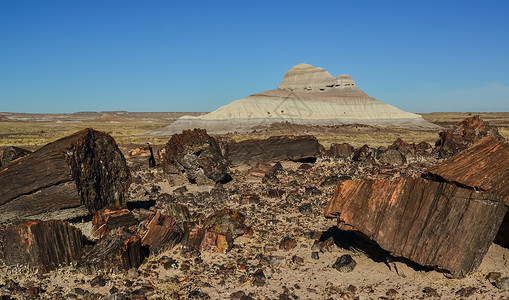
x=345 y=264
x=194 y=156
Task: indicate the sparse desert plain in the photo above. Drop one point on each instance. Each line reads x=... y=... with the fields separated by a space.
x=286 y=248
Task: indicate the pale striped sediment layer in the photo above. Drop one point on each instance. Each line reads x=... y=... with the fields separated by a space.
x=307 y=95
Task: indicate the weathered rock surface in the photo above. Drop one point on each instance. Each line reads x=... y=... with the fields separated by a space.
x=194 y=156
x=273 y=149
x=463 y=135
x=306 y=95
x=435 y=224
x=71 y=177
x=42 y=245
x=116 y=252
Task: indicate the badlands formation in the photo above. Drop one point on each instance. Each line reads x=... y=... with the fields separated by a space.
x=306 y=95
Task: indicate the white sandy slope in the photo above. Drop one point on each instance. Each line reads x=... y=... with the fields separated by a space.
x=307 y=95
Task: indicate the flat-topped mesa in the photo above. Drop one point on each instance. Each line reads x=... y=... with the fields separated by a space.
x=304 y=77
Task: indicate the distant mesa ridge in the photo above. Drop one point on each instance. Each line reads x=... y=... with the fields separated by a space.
x=306 y=95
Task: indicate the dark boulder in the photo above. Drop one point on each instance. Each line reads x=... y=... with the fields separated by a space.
x=194 y=156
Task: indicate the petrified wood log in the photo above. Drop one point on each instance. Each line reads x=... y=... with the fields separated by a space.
x=42 y=245
x=483 y=167
x=435 y=224
x=160 y=233
x=273 y=149
x=11 y=153
x=116 y=252
x=463 y=135
x=71 y=177
x=344 y=150
x=194 y=156
x=110 y=218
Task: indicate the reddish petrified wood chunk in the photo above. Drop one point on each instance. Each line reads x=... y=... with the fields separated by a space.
x=463 y=135
x=71 y=177
x=116 y=252
x=435 y=224
x=42 y=245
x=484 y=167
x=160 y=233
x=110 y=218
x=273 y=149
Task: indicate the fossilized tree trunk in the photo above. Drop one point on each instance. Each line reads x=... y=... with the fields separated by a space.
x=71 y=177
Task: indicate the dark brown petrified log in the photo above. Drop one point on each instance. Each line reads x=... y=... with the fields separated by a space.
x=42 y=245
x=435 y=224
x=116 y=252
x=484 y=167
x=273 y=149
x=110 y=218
x=344 y=150
x=71 y=177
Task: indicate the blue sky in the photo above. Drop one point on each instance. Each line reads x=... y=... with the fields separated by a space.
x=421 y=56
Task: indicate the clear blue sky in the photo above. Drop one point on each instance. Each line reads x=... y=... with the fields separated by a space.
x=421 y=56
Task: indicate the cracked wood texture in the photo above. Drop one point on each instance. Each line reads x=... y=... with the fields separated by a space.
x=42 y=245
x=71 y=177
x=273 y=149
x=435 y=224
x=484 y=166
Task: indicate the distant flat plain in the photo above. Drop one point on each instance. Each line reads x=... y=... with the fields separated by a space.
x=130 y=129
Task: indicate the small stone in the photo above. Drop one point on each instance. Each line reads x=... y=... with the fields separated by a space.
x=79 y=291
x=431 y=292
x=502 y=283
x=467 y=292
x=196 y=294
x=345 y=264
x=314 y=255
x=113 y=290
x=98 y=281
x=493 y=276
x=391 y=293
x=297 y=260
x=258 y=278
x=287 y=243
x=170 y=264
x=351 y=288
x=306 y=208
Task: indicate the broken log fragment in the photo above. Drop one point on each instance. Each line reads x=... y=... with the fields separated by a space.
x=435 y=224
x=42 y=245
x=276 y=148
x=118 y=251
x=193 y=156
x=110 y=218
x=484 y=167
x=71 y=177
x=160 y=233
x=463 y=135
